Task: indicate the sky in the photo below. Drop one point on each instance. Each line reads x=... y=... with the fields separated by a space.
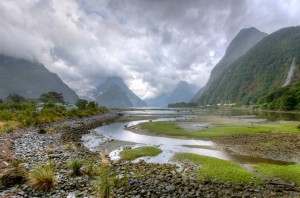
x=151 y=44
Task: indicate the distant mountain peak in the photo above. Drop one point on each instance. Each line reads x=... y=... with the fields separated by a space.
x=183 y=92
x=115 y=93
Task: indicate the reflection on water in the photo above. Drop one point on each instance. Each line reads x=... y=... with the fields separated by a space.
x=169 y=146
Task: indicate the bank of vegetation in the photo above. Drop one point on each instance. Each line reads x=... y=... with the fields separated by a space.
x=16 y=111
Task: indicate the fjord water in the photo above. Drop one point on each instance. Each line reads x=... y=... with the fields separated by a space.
x=170 y=146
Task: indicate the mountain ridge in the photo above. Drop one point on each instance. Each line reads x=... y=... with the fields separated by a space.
x=114 y=93
x=262 y=69
x=240 y=44
x=30 y=79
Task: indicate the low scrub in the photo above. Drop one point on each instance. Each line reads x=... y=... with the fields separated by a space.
x=13 y=174
x=219 y=170
x=131 y=154
x=42 y=177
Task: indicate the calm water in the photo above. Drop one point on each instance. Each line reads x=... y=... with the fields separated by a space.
x=170 y=146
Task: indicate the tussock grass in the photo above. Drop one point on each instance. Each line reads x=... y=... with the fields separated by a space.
x=219 y=170
x=42 y=177
x=285 y=172
x=131 y=154
x=13 y=174
x=104 y=181
x=172 y=129
x=75 y=165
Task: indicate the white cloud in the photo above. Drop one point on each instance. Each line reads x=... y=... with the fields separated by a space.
x=151 y=44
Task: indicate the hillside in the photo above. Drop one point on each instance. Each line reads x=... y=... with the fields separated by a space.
x=182 y=93
x=285 y=98
x=242 y=42
x=262 y=69
x=30 y=80
x=114 y=93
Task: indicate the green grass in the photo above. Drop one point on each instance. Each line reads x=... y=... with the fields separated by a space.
x=42 y=177
x=105 y=181
x=269 y=143
x=172 y=129
x=285 y=172
x=131 y=154
x=75 y=165
x=219 y=170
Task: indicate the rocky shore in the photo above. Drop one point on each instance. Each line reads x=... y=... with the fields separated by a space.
x=60 y=142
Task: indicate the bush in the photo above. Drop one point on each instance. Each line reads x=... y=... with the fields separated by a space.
x=75 y=166
x=42 y=177
x=13 y=174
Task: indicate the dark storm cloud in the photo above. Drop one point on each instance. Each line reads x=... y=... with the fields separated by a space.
x=152 y=44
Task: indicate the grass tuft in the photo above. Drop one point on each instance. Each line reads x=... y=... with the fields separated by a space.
x=75 y=166
x=42 y=177
x=131 y=154
x=219 y=170
x=285 y=172
x=104 y=181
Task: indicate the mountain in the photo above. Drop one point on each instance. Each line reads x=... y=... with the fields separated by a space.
x=264 y=68
x=30 y=80
x=114 y=93
x=242 y=42
x=182 y=93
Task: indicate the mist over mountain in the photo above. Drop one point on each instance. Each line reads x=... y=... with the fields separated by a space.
x=30 y=80
x=114 y=93
x=264 y=68
x=182 y=93
x=241 y=43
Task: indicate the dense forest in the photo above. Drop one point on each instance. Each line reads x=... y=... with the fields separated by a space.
x=285 y=98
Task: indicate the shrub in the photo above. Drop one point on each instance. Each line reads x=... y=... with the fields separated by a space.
x=42 y=177
x=75 y=166
x=13 y=174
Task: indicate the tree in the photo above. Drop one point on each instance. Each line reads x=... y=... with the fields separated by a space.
x=1 y=101
x=81 y=104
x=92 y=105
x=13 y=97
x=53 y=96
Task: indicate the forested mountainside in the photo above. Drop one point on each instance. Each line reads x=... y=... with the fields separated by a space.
x=264 y=68
x=241 y=43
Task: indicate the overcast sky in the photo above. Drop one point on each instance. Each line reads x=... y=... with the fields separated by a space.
x=151 y=44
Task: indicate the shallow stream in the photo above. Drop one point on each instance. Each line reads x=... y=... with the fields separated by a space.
x=169 y=146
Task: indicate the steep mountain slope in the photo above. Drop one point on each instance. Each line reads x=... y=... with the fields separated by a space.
x=30 y=80
x=243 y=41
x=262 y=69
x=182 y=93
x=114 y=93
